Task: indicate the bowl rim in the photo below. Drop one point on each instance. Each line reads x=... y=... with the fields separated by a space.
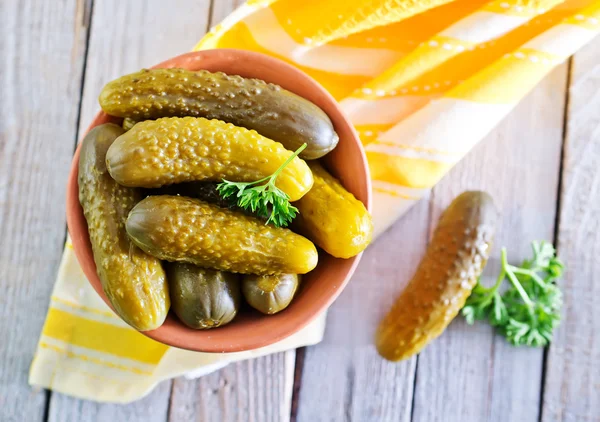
x=80 y=238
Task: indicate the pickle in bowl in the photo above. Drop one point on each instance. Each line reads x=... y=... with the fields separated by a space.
x=251 y=103
x=203 y=298
x=270 y=294
x=161 y=152
x=182 y=229
x=332 y=217
x=134 y=282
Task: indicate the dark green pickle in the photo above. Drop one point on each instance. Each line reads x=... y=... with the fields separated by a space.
x=203 y=298
x=251 y=103
x=270 y=294
x=133 y=281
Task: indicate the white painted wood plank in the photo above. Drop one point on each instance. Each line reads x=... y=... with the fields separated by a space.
x=343 y=378
x=258 y=390
x=42 y=45
x=153 y=407
x=572 y=387
x=468 y=373
x=126 y=36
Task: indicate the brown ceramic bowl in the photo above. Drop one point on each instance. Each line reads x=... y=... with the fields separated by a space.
x=251 y=330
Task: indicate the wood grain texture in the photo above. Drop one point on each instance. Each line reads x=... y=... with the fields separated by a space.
x=42 y=45
x=258 y=390
x=572 y=387
x=153 y=407
x=343 y=378
x=469 y=373
x=126 y=36
x=255 y=390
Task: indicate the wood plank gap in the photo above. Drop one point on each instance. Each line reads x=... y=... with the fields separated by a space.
x=209 y=21
x=298 y=367
x=83 y=73
x=559 y=188
x=430 y=228
x=46 y=414
x=415 y=380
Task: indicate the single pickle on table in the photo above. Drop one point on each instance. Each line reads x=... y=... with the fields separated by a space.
x=178 y=228
x=332 y=217
x=453 y=262
x=203 y=298
x=270 y=294
x=171 y=150
x=251 y=103
x=133 y=281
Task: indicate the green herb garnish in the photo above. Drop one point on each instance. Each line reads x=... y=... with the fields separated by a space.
x=265 y=200
x=528 y=312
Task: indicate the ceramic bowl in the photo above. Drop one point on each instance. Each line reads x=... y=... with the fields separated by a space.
x=251 y=330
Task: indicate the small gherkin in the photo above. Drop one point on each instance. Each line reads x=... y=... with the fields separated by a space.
x=171 y=150
x=181 y=229
x=332 y=217
x=269 y=109
x=203 y=298
x=270 y=294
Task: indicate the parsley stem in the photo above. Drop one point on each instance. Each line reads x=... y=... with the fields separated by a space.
x=499 y=281
x=536 y=278
x=294 y=155
x=513 y=279
x=271 y=178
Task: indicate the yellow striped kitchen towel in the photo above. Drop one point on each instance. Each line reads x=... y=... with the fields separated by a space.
x=422 y=81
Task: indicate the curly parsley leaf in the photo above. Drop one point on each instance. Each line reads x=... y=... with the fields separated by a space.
x=529 y=310
x=265 y=200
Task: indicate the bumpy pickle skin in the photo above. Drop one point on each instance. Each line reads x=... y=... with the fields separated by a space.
x=332 y=217
x=177 y=228
x=133 y=281
x=251 y=103
x=270 y=294
x=128 y=123
x=203 y=298
x=173 y=150
x=455 y=258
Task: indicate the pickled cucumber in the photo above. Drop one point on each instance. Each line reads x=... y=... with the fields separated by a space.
x=444 y=279
x=133 y=281
x=173 y=150
x=270 y=294
x=128 y=123
x=177 y=228
x=251 y=103
x=332 y=217
x=203 y=298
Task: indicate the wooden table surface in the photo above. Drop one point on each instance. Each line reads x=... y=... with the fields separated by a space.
x=542 y=165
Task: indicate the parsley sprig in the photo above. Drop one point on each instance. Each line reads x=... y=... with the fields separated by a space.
x=265 y=200
x=529 y=311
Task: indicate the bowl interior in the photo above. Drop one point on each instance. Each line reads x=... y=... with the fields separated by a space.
x=319 y=288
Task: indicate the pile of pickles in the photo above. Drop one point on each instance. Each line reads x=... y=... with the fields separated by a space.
x=162 y=235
